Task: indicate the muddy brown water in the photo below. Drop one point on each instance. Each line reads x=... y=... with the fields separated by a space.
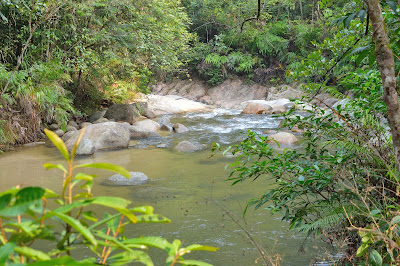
x=188 y=188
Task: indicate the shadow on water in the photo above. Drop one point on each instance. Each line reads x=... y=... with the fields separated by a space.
x=188 y=188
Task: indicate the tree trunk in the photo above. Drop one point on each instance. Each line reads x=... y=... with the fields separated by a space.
x=385 y=61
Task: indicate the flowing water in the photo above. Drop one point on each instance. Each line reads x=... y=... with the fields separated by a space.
x=188 y=188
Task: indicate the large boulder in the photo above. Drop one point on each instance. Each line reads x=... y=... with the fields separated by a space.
x=283 y=138
x=137 y=178
x=173 y=104
x=285 y=91
x=278 y=104
x=145 y=125
x=256 y=108
x=122 y=113
x=278 y=109
x=104 y=136
x=186 y=146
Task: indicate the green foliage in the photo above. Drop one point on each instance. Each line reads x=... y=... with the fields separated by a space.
x=26 y=217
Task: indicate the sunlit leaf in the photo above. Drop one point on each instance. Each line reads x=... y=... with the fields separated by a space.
x=58 y=142
x=107 y=166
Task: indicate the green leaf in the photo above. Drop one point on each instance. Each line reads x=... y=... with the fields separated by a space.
x=24 y=199
x=5 y=251
x=362 y=250
x=201 y=247
x=375 y=258
x=3 y=18
x=362 y=55
x=349 y=19
x=361 y=15
x=112 y=202
x=77 y=226
x=125 y=258
x=65 y=260
x=52 y=166
x=395 y=220
x=76 y=144
x=152 y=241
x=107 y=166
x=194 y=262
x=58 y=142
x=32 y=253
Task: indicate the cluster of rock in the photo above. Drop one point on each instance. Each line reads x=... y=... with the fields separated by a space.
x=115 y=127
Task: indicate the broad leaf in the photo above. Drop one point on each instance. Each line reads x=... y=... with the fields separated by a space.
x=375 y=258
x=5 y=251
x=58 y=142
x=32 y=253
x=65 y=260
x=77 y=226
x=107 y=166
x=52 y=166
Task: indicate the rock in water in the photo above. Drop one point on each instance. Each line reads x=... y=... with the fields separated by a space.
x=146 y=125
x=109 y=135
x=186 y=146
x=137 y=178
x=179 y=128
x=122 y=112
x=283 y=138
x=256 y=108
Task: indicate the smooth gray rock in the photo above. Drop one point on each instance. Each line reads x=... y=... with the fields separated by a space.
x=101 y=120
x=84 y=124
x=283 y=138
x=256 y=108
x=167 y=128
x=54 y=127
x=137 y=178
x=59 y=132
x=122 y=112
x=70 y=128
x=73 y=124
x=146 y=125
x=186 y=146
x=179 y=128
x=104 y=136
x=68 y=135
x=96 y=116
x=165 y=124
x=86 y=147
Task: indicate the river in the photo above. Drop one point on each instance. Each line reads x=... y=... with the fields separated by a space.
x=188 y=188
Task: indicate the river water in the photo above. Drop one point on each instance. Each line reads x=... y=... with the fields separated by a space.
x=188 y=188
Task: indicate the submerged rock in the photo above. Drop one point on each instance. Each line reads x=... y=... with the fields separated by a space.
x=283 y=138
x=186 y=146
x=137 y=178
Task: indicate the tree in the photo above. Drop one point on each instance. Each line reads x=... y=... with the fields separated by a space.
x=385 y=61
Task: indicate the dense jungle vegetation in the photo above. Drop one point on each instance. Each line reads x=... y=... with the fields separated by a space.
x=60 y=59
